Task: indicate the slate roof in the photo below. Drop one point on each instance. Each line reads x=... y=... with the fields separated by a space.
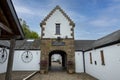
x=28 y=44
x=107 y=40
x=82 y=45
x=4 y=43
x=22 y=44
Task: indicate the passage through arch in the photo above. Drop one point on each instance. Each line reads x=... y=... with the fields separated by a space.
x=57 y=57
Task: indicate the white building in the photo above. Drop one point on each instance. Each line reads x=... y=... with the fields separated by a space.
x=102 y=59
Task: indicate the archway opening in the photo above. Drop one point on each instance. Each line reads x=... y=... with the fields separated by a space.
x=57 y=60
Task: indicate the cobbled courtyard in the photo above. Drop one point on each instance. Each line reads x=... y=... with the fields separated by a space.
x=62 y=76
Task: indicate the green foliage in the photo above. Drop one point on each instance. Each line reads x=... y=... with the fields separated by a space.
x=29 y=34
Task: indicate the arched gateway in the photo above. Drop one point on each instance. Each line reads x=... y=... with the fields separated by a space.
x=63 y=58
x=57 y=36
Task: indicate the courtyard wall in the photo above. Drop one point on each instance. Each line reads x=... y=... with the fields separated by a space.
x=79 y=62
x=110 y=70
x=19 y=64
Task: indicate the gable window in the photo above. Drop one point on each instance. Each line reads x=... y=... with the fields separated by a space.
x=57 y=29
x=102 y=57
x=90 y=58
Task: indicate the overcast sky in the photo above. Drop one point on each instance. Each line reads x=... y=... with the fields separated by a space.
x=93 y=18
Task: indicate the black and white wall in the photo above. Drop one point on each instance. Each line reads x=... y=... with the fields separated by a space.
x=24 y=60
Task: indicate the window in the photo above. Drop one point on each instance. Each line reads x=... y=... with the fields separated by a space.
x=95 y=62
x=90 y=58
x=102 y=57
x=57 y=29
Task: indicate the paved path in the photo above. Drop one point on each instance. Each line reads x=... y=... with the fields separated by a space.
x=62 y=76
x=57 y=73
x=16 y=75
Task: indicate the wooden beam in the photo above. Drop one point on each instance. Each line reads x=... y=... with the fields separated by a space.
x=2 y=26
x=7 y=37
x=10 y=60
x=3 y=18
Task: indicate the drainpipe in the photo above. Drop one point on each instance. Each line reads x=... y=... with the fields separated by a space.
x=84 y=62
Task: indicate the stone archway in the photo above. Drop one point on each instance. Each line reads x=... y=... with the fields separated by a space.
x=63 y=58
x=48 y=48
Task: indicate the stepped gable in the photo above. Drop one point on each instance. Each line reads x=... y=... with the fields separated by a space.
x=61 y=10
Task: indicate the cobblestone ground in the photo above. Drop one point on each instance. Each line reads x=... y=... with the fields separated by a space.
x=57 y=74
x=16 y=75
x=62 y=76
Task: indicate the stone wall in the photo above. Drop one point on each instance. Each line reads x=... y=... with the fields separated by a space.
x=47 y=47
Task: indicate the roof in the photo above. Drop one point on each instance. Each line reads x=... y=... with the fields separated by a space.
x=82 y=45
x=28 y=44
x=22 y=44
x=110 y=39
x=4 y=43
x=9 y=22
x=107 y=40
x=57 y=8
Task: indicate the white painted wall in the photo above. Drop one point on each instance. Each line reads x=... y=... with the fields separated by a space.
x=111 y=69
x=3 y=66
x=50 y=29
x=79 y=62
x=19 y=65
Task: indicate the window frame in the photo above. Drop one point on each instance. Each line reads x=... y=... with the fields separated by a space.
x=102 y=57
x=90 y=54
x=57 y=29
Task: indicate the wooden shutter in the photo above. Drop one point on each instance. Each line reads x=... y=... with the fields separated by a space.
x=102 y=57
x=90 y=58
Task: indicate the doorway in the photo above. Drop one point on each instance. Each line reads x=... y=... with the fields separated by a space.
x=57 y=60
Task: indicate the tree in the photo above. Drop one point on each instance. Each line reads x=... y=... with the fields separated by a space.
x=29 y=34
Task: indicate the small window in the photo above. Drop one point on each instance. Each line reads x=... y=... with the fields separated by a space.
x=95 y=62
x=90 y=58
x=57 y=29
x=102 y=57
